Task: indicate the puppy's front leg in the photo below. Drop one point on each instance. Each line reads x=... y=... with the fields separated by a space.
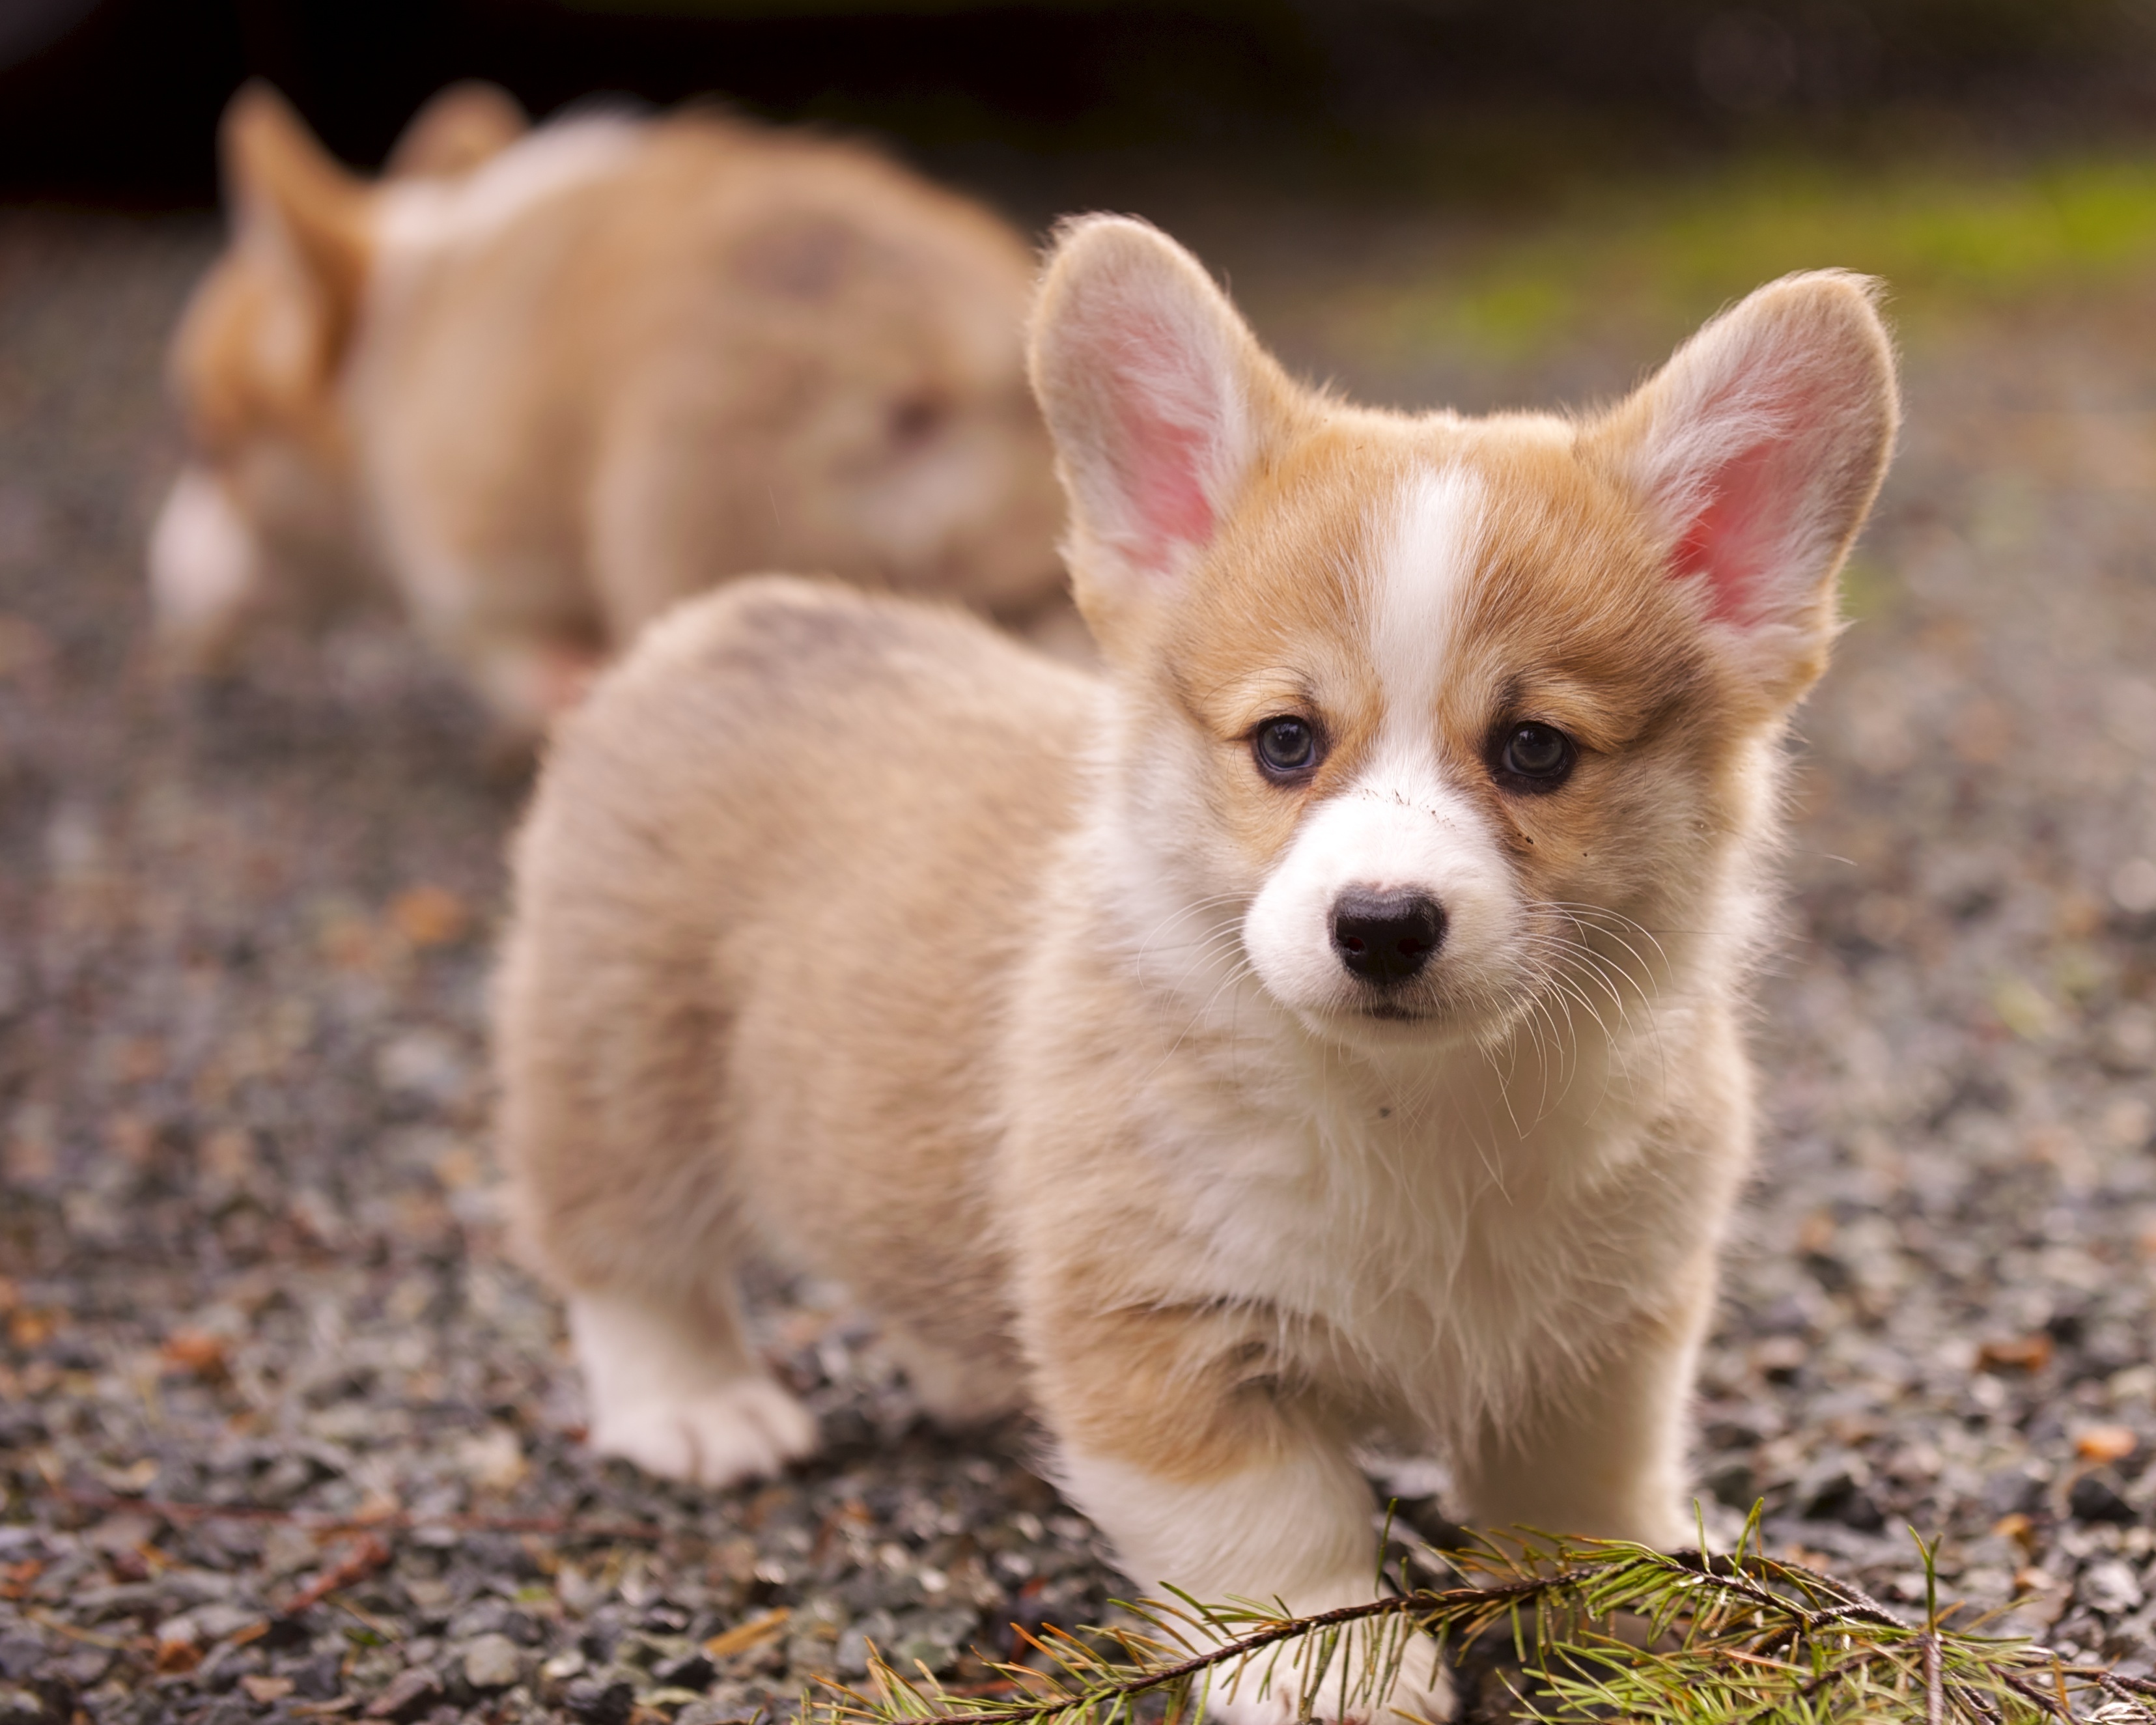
x=1603 y=1454
x=1208 y=1477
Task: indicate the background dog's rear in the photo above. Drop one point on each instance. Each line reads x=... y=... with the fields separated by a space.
x=550 y=382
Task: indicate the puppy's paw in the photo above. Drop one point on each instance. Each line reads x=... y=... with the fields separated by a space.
x=744 y=1429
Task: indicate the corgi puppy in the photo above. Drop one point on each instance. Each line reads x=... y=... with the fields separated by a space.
x=546 y=383
x=1323 y=1023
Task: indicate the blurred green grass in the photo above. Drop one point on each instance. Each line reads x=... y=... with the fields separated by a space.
x=1659 y=256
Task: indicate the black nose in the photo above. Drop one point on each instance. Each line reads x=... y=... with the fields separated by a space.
x=1386 y=937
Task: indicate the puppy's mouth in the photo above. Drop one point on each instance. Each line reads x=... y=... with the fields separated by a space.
x=1392 y=1013
x=1416 y=1017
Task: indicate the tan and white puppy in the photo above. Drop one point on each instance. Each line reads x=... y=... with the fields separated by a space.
x=549 y=382
x=1325 y=1023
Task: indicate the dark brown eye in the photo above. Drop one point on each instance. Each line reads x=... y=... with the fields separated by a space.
x=1286 y=747
x=1537 y=757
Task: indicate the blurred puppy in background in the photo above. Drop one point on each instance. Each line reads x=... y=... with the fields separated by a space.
x=547 y=381
x=1325 y=1023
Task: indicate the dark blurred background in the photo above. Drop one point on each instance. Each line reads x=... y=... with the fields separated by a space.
x=114 y=101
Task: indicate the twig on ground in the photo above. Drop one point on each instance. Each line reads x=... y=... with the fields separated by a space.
x=1740 y=1636
x=60 y=1626
x=362 y=1561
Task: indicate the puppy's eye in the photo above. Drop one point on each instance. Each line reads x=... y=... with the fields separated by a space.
x=1285 y=746
x=1538 y=757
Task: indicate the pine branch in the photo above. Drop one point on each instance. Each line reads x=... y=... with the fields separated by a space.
x=1598 y=1628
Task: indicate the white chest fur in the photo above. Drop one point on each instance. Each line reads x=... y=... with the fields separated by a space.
x=1433 y=1226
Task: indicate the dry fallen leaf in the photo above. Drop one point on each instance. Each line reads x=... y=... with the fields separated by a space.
x=2015 y=1354
x=745 y=1637
x=430 y=916
x=27 y=1328
x=2107 y=1443
x=177 y=1656
x=197 y=1351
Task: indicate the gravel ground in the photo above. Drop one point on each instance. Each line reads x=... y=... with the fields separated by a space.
x=249 y=1255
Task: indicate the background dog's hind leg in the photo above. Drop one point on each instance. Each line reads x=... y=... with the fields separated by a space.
x=955 y=1389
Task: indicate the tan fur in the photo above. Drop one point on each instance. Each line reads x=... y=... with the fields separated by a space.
x=854 y=933
x=630 y=864
x=549 y=382
x=457 y=130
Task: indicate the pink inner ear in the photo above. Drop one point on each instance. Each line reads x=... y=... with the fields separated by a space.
x=1160 y=460
x=1159 y=455
x=1734 y=540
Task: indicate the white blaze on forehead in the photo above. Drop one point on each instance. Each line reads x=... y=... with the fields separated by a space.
x=1421 y=569
x=1402 y=823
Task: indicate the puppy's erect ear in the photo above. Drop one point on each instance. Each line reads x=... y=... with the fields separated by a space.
x=1756 y=451
x=1159 y=398
x=456 y=129
x=298 y=208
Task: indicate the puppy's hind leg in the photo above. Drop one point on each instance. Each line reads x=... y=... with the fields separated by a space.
x=619 y=1200
x=610 y=1045
x=680 y=1393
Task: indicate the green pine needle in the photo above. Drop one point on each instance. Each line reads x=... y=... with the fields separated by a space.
x=1598 y=1629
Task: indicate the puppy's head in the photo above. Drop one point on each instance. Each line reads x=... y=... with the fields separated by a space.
x=255 y=362
x=1452 y=716
x=889 y=435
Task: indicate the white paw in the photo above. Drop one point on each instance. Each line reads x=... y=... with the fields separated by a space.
x=1422 y=1692
x=205 y=568
x=745 y=1429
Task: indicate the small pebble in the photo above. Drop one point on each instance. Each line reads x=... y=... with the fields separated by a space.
x=597 y=1702
x=410 y=1695
x=492 y=1661
x=2092 y=1498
